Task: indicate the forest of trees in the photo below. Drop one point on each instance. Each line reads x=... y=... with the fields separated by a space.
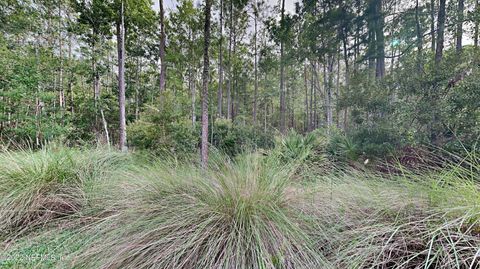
x=383 y=73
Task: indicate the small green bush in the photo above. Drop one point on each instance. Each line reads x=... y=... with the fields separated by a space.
x=235 y=139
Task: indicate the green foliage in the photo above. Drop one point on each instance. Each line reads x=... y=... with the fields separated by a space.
x=341 y=147
x=375 y=142
x=164 y=129
x=297 y=148
x=235 y=139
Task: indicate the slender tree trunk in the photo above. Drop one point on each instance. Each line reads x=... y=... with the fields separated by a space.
x=220 y=65
x=372 y=44
x=380 y=39
x=311 y=123
x=460 y=18
x=205 y=80
x=282 y=72
x=477 y=22
x=287 y=101
x=192 y=83
x=328 y=78
x=163 y=37
x=315 y=96
x=71 y=75
x=61 y=96
x=347 y=76
x=305 y=80
x=105 y=127
x=419 y=37
x=137 y=89
x=255 y=93
x=432 y=24
x=122 y=144
x=440 y=32
x=230 y=77
x=235 y=88
x=337 y=95
x=96 y=83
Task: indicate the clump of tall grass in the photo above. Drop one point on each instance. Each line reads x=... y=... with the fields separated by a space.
x=429 y=220
x=36 y=187
x=237 y=214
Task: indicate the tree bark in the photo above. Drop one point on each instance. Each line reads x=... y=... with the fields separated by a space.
x=419 y=37
x=255 y=93
x=282 y=72
x=220 y=65
x=205 y=81
x=230 y=77
x=347 y=77
x=163 y=37
x=122 y=144
x=440 y=32
x=328 y=74
x=460 y=18
x=61 y=96
x=192 y=84
x=313 y=99
x=380 y=39
x=137 y=89
x=305 y=81
x=432 y=24
x=477 y=22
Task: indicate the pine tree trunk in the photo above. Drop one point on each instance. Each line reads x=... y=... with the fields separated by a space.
x=347 y=76
x=192 y=84
x=313 y=106
x=337 y=94
x=205 y=81
x=137 y=89
x=255 y=93
x=477 y=22
x=419 y=37
x=440 y=32
x=220 y=65
x=305 y=81
x=163 y=37
x=282 y=73
x=328 y=74
x=230 y=76
x=432 y=24
x=460 y=17
x=71 y=75
x=122 y=144
x=380 y=39
x=61 y=97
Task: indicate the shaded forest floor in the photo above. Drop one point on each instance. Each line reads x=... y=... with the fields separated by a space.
x=96 y=208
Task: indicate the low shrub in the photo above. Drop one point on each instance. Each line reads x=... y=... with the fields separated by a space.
x=236 y=139
x=306 y=152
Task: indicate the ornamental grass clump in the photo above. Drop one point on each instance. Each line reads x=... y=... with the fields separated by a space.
x=37 y=187
x=236 y=214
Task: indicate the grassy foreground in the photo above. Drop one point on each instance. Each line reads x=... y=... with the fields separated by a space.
x=67 y=208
